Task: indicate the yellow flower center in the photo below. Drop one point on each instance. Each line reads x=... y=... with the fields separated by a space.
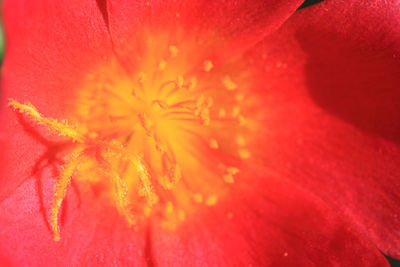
x=168 y=137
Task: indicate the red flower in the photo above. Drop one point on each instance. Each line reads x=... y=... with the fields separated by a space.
x=195 y=134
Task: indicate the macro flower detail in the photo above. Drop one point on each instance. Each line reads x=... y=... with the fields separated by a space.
x=148 y=133
x=199 y=133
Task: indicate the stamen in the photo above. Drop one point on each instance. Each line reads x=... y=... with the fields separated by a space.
x=60 y=190
x=60 y=128
x=146 y=124
x=120 y=189
x=147 y=188
x=171 y=178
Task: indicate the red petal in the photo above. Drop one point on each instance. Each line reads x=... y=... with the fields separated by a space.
x=331 y=82
x=239 y=23
x=276 y=225
x=92 y=234
x=49 y=47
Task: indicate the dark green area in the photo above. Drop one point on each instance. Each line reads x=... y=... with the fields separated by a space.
x=309 y=3
x=393 y=263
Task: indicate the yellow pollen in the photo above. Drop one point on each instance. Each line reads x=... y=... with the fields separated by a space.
x=230 y=172
x=109 y=150
x=228 y=178
x=60 y=190
x=233 y=170
x=198 y=198
x=213 y=144
x=159 y=141
x=55 y=126
x=240 y=140
x=180 y=81
x=211 y=200
x=169 y=208
x=173 y=50
x=192 y=83
x=244 y=153
x=229 y=84
x=147 y=188
x=162 y=65
x=239 y=97
x=208 y=65
x=236 y=111
x=222 y=113
x=181 y=215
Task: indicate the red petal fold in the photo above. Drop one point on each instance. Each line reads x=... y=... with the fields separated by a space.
x=331 y=81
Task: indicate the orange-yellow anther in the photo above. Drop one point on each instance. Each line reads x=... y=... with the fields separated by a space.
x=146 y=186
x=60 y=190
x=180 y=81
x=208 y=65
x=162 y=65
x=202 y=109
x=60 y=128
x=244 y=153
x=229 y=84
x=213 y=143
x=191 y=84
x=222 y=113
x=198 y=198
x=171 y=178
x=230 y=172
x=173 y=50
x=211 y=200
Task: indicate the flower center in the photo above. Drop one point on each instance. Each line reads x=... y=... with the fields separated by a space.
x=168 y=137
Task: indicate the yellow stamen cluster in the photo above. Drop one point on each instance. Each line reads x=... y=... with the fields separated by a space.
x=84 y=144
x=163 y=139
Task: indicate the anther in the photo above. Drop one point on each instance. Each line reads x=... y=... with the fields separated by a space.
x=162 y=65
x=229 y=84
x=173 y=50
x=213 y=143
x=208 y=65
x=211 y=200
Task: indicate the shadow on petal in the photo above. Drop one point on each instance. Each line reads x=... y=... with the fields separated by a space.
x=358 y=85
